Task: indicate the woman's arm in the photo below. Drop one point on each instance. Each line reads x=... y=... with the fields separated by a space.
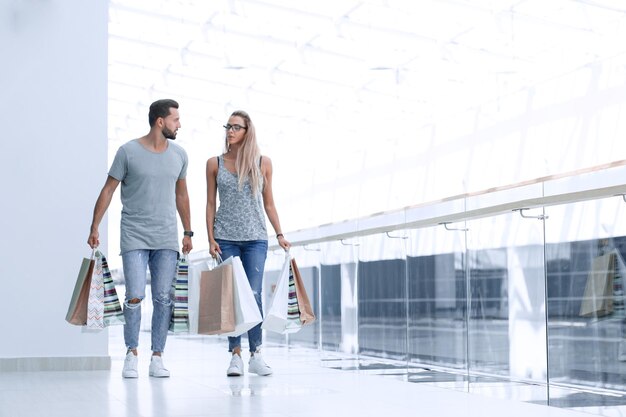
x=268 y=202
x=211 y=198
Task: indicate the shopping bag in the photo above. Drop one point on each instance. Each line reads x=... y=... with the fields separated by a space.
x=278 y=318
x=194 y=274
x=216 y=310
x=247 y=314
x=95 y=302
x=179 y=321
x=293 y=309
x=598 y=297
x=77 y=310
x=307 y=316
x=113 y=314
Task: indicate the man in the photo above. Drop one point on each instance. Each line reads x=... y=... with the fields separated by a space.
x=152 y=170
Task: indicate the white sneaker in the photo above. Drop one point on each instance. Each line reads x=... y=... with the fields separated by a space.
x=130 y=366
x=236 y=366
x=157 y=369
x=258 y=366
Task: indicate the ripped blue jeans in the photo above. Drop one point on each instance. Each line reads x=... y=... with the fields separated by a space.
x=253 y=254
x=162 y=264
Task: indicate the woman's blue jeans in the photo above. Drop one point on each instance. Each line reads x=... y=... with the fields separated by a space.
x=162 y=264
x=252 y=254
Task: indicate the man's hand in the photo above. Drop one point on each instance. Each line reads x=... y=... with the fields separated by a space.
x=187 y=246
x=93 y=239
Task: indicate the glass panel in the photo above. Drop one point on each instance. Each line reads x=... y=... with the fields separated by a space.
x=382 y=304
x=585 y=250
x=507 y=321
x=330 y=315
x=437 y=307
x=338 y=303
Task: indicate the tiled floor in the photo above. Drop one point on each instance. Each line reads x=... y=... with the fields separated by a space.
x=300 y=386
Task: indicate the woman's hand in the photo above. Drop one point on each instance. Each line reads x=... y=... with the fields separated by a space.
x=214 y=248
x=284 y=243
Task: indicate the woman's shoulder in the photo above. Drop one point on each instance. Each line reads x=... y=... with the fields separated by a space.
x=212 y=162
x=265 y=160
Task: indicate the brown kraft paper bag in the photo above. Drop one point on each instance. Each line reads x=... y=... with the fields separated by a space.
x=306 y=310
x=77 y=311
x=216 y=308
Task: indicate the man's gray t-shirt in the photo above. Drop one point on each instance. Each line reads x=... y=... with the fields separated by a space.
x=148 y=195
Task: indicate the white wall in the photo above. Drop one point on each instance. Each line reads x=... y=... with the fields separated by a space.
x=53 y=162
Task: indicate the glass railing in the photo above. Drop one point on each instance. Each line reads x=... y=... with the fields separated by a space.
x=513 y=293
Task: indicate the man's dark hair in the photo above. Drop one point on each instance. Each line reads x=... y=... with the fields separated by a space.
x=160 y=108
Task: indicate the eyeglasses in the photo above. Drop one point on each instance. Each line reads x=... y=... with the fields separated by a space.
x=236 y=128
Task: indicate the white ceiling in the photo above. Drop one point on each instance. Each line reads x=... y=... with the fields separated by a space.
x=308 y=61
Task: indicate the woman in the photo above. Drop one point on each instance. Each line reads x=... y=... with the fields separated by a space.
x=244 y=180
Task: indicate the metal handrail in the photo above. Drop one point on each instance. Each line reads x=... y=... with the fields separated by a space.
x=602 y=181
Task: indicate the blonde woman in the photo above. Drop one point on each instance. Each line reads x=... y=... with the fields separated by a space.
x=243 y=179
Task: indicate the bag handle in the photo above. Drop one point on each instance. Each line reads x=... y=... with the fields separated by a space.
x=214 y=262
x=218 y=258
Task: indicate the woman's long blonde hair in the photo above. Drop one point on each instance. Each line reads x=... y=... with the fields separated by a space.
x=249 y=155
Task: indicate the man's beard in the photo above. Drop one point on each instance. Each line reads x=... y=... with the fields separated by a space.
x=169 y=134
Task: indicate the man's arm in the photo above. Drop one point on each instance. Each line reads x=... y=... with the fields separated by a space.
x=102 y=204
x=182 y=205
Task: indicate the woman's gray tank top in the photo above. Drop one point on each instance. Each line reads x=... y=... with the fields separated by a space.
x=240 y=216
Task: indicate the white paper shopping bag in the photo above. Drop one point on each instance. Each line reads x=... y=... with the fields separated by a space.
x=283 y=315
x=247 y=314
x=193 y=300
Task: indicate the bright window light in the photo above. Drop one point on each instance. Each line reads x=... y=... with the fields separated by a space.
x=411 y=101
